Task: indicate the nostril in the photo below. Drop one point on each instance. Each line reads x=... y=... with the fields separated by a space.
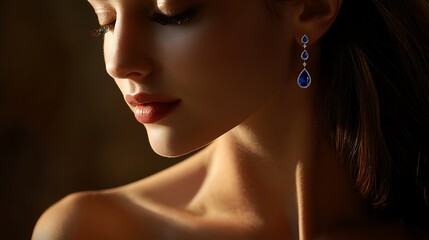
x=134 y=75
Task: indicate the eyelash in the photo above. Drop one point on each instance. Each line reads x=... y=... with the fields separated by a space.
x=177 y=19
x=102 y=30
x=159 y=18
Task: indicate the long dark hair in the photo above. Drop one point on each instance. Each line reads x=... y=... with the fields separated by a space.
x=375 y=95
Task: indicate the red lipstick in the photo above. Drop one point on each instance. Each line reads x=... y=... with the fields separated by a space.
x=150 y=108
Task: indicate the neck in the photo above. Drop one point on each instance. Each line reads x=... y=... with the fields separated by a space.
x=278 y=167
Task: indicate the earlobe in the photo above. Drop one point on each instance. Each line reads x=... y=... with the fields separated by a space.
x=317 y=16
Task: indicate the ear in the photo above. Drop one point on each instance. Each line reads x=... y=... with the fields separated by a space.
x=313 y=18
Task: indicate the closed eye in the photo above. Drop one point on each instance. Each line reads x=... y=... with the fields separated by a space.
x=157 y=17
x=102 y=29
x=178 y=19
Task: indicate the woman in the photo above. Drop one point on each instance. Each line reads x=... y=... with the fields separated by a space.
x=313 y=116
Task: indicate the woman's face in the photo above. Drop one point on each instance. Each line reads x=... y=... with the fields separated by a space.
x=192 y=78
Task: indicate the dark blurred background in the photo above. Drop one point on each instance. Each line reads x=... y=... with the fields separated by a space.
x=64 y=126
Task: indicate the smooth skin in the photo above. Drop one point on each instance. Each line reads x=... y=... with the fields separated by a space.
x=266 y=170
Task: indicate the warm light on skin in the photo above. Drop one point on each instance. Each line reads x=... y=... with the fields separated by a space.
x=234 y=71
x=161 y=4
x=269 y=170
x=204 y=63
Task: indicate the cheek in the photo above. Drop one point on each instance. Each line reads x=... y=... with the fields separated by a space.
x=235 y=65
x=224 y=73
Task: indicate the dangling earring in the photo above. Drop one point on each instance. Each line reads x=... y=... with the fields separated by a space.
x=304 y=78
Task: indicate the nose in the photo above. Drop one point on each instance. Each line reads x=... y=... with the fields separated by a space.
x=125 y=51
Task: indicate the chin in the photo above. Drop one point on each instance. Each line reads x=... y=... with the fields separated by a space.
x=174 y=153
x=169 y=144
x=170 y=152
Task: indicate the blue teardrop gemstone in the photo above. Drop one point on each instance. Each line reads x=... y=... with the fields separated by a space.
x=304 y=39
x=304 y=79
x=304 y=55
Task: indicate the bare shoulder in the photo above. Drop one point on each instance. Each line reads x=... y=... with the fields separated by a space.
x=90 y=215
x=125 y=212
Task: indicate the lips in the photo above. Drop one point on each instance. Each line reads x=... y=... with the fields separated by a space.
x=151 y=108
